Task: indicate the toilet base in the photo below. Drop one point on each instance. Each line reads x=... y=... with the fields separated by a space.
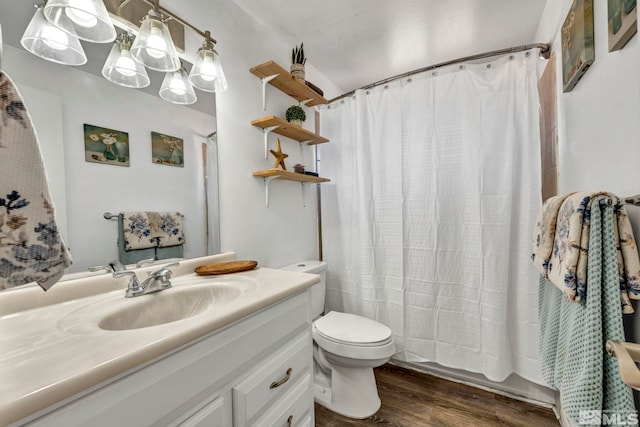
x=352 y=392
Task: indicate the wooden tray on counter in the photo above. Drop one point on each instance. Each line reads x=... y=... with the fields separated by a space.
x=225 y=267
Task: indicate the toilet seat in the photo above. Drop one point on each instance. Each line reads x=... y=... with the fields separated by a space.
x=353 y=336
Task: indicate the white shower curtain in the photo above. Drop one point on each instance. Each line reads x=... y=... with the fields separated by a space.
x=427 y=221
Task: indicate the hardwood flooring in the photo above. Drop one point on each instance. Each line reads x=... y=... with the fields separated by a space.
x=412 y=398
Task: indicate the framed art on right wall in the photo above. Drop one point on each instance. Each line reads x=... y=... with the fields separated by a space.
x=622 y=22
x=578 y=52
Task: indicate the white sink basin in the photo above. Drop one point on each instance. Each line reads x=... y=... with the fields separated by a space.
x=189 y=297
x=168 y=306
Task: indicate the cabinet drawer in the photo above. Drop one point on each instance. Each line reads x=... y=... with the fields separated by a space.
x=216 y=413
x=270 y=381
x=293 y=409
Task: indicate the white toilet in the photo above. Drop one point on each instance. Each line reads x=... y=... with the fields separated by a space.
x=346 y=349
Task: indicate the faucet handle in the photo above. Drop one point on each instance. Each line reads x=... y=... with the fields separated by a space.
x=162 y=275
x=171 y=264
x=145 y=261
x=106 y=268
x=133 y=287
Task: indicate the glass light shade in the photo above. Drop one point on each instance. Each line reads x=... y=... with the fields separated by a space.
x=177 y=89
x=154 y=47
x=121 y=69
x=87 y=19
x=49 y=42
x=207 y=73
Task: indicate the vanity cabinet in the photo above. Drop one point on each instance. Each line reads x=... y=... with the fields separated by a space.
x=254 y=372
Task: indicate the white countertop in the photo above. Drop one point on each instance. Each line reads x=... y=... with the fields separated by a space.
x=43 y=361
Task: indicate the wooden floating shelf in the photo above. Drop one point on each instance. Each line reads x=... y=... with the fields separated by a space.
x=289 y=130
x=288 y=84
x=289 y=176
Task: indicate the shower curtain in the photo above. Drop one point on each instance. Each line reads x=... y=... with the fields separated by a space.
x=435 y=185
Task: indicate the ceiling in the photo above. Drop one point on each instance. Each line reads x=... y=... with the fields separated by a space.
x=357 y=42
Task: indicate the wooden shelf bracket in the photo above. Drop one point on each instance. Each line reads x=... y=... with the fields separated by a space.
x=265 y=81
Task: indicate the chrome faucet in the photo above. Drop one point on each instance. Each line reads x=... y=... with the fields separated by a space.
x=117 y=265
x=142 y=262
x=156 y=281
x=114 y=265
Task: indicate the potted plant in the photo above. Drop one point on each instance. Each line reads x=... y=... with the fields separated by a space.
x=297 y=62
x=296 y=115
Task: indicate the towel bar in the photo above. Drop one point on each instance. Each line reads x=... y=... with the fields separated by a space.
x=109 y=215
x=628 y=354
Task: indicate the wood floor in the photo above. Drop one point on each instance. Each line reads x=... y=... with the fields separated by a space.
x=412 y=398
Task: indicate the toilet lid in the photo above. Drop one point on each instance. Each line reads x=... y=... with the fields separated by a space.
x=351 y=328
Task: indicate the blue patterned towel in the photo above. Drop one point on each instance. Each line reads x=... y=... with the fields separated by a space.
x=142 y=230
x=544 y=233
x=573 y=334
x=31 y=248
x=571 y=239
x=567 y=265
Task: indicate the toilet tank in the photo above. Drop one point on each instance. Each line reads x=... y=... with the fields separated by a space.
x=318 y=290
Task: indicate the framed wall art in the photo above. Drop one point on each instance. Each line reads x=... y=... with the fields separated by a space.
x=578 y=51
x=167 y=150
x=104 y=145
x=622 y=22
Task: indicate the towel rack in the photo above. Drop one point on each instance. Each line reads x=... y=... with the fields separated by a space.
x=109 y=215
x=633 y=200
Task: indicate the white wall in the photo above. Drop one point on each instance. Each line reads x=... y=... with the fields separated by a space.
x=92 y=189
x=286 y=231
x=598 y=120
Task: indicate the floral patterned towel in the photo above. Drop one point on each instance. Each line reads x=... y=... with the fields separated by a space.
x=144 y=230
x=627 y=255
x=544 y=233
x=31 y=249
x=568 y=266
x=571 y=238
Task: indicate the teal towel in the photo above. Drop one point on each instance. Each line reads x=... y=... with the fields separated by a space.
x=573 y=334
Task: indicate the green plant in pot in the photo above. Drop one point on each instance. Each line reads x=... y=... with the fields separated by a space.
x=296 y=115
x=297 y=62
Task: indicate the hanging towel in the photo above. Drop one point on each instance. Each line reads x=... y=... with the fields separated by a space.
x=567 y=267
x=31 y=248
x=142 y=230
x=544 y=233
x=573 y=335
x=628 y=254
x=571 y=238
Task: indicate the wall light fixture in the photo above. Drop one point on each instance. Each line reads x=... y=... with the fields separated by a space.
x=121 y=69
x=55 y=28
x=49 y=42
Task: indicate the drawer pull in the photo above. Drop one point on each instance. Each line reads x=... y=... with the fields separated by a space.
x=282 y=381
x=289 y=420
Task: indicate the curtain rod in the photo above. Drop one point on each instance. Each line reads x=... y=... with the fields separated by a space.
x=545 y=52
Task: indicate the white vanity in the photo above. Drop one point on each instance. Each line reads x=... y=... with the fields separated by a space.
x=244 y=358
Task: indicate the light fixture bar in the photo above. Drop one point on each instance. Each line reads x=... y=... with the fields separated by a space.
x=155 y=4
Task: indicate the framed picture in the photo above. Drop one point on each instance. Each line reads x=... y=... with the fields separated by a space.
x=167 y=150
x=578 y=52
x=622 y=22
x=104 y=145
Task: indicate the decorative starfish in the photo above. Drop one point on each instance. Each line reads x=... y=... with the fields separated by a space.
x=279 y=155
